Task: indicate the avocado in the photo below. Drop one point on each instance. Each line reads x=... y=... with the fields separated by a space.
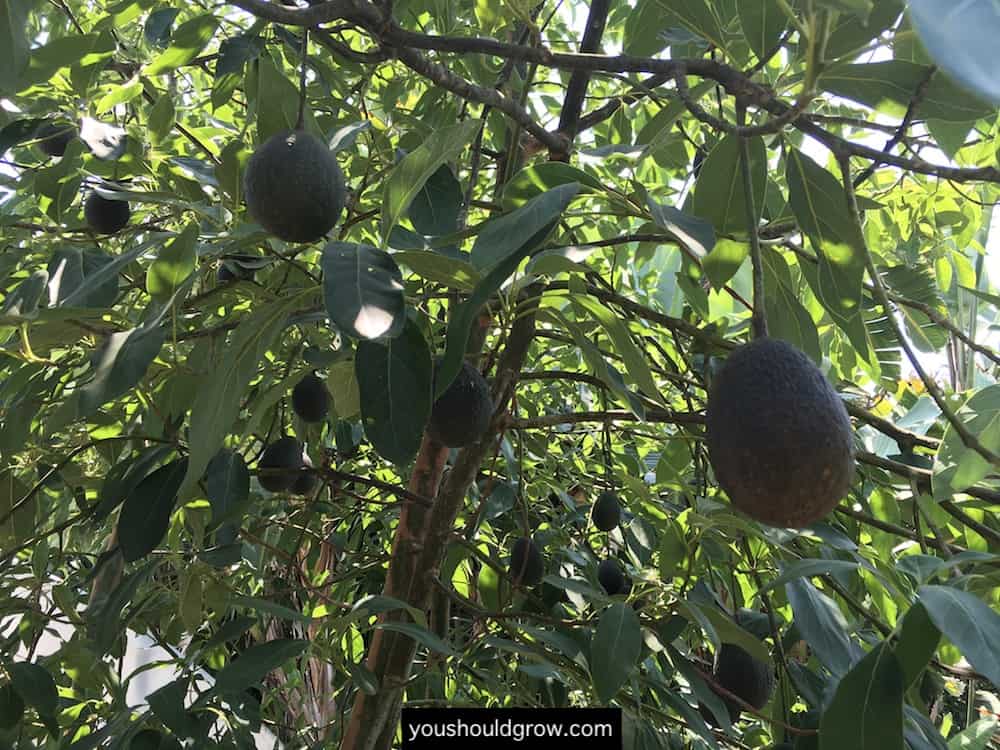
x=527 y=566
x=310 y=399
x=106 y=216
x=305 y=483
x=607 y=511
x=283 y=453
x=294 y=187
x=147 y=739
x=54 y=137
x=744 y=676
x=611 y=577
x=462 y=414
x=11 y=706
x=778 y=435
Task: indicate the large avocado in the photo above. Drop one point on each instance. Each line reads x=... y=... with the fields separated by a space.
x=294 y=187
x=607 y=511
x=779 y=437
x=106 y=216
x=283 y=453
x=462 y=414
x=527 y=566
x=744 y=676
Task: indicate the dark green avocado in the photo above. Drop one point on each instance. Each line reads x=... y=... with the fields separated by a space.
x=607 y=511
x=527 y=566
x=283 y=453
x=106 y=216
x=310 y=399
x=294 y=186
x=778 y=435
x=462 y=414
x=744 y=676
x=611 y=577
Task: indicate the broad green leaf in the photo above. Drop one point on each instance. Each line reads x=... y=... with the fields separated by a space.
x=960 y=37
x=918 y=640
x=145 y=516
x=968 y=623
x=809 y=568
x=787 y=318
x=820 y=206
x=822 y=625
x=186 y=42
x=227 y=484
x=254 y=664
x=695 y=234
x=70 y=268
x=454 y=273
x=867 y=710
x=234 y=54
x=860 y=8
x=729 y=632
x=420 y=634
x=976 y=737
x=159 y=26
x=173 y=265
x=434 y=209
x=614 y=650
x=124 y=477
x=119 y=366
x=270 y=608
x=957 y=467
x=167 y=704
x=644 y=30
x=394 y=378
x=763 y=24
x=719 y=197
x=410 y=174
x=851 y=33
x=699 y=17
x=724 y=261
x=539 y=178
x=13 y=43
x=363 y=290
x=218 y=401
x=119 y=94
x=523 y=229
x=35 y=685
x=105 y=622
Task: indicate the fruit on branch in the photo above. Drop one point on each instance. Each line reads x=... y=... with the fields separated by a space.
x=11 y=706
x=284 y=453
x=527 y=566
x=741 y=674
x=607 y=511
x=106 y=216
x=55 y=136
x=611 y=577
x=310 y=399
x=294 y=187
x=462 y=414
x=778 y=435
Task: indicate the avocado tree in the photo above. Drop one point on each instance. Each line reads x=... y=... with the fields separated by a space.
x=369 y=354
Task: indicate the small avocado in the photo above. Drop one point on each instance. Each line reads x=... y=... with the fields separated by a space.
x=283 y=453
x=527 y=566
x=463 y=412
x=743 y=675
x=55 y=136
x=294 y=187
x=607 y=511
x=611 y=577
x=779 y=437
x=106 y=216
x=310 y=399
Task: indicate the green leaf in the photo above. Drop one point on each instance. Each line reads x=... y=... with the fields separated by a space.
x=540 y=178
x=724 y=261
x=719 y=197
x=434 y=209
x=174 y=264
x=420 y=634
x=11 y=707
x=451 y=272
x=851 y=33
x=821 y=624
x=820 y=207
x=106 y=622
x=614 y=650
x=161 y=118
x=860 y=8
x=145 y=516
x=394 y=378
x=218 y=401
x=13 y=43
x=808 y=569
x=787 y=318
x=125 y=476
x=866 y=712
x=976 y=737
x=363 y=290
x=918 y=640
x=167 y=704
x=119 y=94
x=763 y=24
x=120 y=365
x=968 y=623
x=159 y=25
x=36 y=687
x=960 y=37
x=187 y=41
x=227 y=484
x=729 y=632
x=695 y=234
x=410 y=174
x=643 y=30
x=271 y=608
x=234 y=54
x=523 y=229
x=699 y=17
x=957 y=467
x=254 y=664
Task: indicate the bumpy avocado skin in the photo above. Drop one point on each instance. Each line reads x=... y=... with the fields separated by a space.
x=106 y=216
x=779 y=437
x=294 y=187
x=310 y=399
x=283 y=453
x=611 y=577
x=607 y=511
x=527 y=566
x=741 y=674
x=462 y=414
